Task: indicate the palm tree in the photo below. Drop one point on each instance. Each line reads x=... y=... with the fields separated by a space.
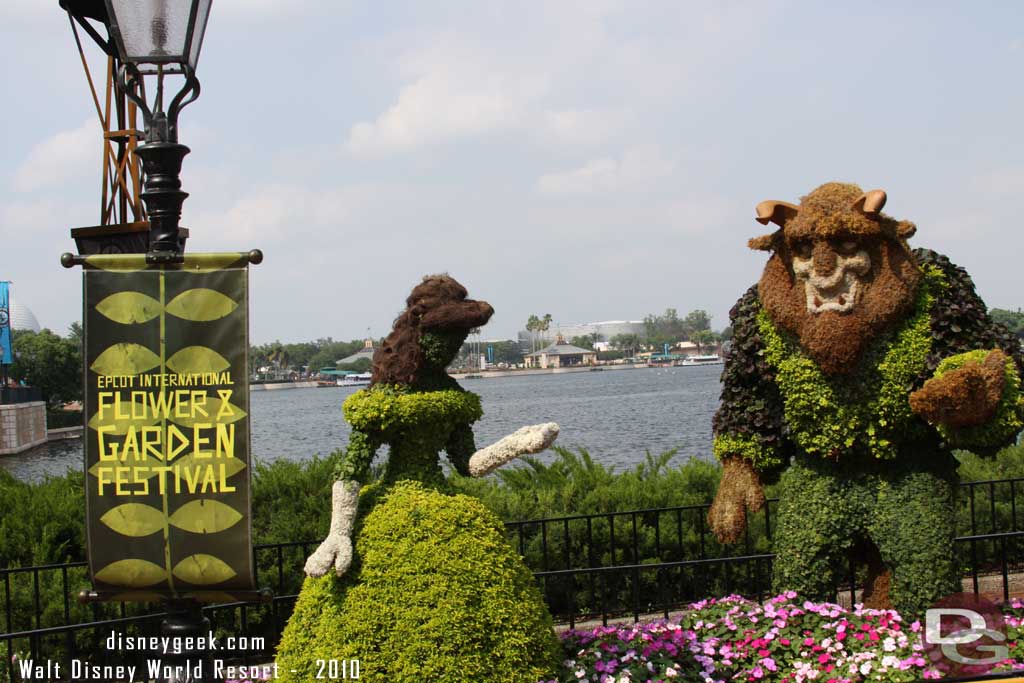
x=279 y=357
x=545 y=323
x=532 y=326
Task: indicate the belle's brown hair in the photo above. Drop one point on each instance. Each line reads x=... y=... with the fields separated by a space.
x=437 y=303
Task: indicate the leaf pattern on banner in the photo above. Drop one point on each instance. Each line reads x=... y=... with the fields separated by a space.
x=125 y=359
x=146 y=464
x=203 y=570
x=129 y=308
x=205 y=516
x=132 y=573
x=232 y=466
x=197 y=359
x=201 y=305
x=134 y=519
x=217 y=411
x=123 y=424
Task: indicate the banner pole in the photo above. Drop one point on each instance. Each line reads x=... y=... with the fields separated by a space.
x=183 y=624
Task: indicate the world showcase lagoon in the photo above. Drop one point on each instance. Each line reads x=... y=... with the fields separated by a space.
x=616 y=416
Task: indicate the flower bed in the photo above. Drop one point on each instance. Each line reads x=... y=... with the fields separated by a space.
x=784 y=640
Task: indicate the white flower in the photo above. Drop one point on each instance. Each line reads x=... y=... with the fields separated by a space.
x=670 y=672
x=865 y=668
x=889 y=644
x=580 y=673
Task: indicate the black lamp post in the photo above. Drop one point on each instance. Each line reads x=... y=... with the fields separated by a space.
x=160 y=38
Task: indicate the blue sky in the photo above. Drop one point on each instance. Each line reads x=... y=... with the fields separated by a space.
x=595 y=161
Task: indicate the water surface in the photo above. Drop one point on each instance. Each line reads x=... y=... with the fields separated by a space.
x=616 y=415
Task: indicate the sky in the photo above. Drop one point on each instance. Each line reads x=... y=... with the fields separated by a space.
x=592 y=160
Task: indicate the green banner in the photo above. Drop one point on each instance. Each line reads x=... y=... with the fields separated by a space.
x=167 y=439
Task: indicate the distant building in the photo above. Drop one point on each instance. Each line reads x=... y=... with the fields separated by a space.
x=605 y=330
x=560 y=355
x=366 y=352
x=22 y=317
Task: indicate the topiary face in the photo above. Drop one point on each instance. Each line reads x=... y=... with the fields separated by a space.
x=440 y=347
x=840 y=273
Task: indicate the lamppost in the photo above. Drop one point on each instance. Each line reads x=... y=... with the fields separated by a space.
x=154 y=42
x=160 y=38
x=157 y=42
x=157 y=39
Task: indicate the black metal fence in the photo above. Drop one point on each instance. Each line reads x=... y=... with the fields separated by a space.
x=11 y=395
x=589 y=567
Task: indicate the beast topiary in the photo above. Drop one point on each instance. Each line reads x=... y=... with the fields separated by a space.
x=857 y=364
x=436 y=595
x=432 y=591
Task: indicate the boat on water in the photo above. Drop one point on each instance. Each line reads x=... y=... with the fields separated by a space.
x=701 y=360
x=355 y=380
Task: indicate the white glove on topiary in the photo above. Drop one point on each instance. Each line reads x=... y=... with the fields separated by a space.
x=336 y=549
x=523 y=441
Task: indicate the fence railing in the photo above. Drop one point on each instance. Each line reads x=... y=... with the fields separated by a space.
x=589 y=567
x=11 y=395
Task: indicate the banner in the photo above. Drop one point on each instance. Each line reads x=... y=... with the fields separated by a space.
x=167 y=439
x=6 y=352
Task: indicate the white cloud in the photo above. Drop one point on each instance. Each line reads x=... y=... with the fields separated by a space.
x=451 y=101
x=68 y=154
x=640 y=168
x=22 y=218
x=581 y=127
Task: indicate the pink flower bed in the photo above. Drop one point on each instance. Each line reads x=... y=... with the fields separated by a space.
x=784 y=640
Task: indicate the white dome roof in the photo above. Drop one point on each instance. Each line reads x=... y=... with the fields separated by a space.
x=22 y=317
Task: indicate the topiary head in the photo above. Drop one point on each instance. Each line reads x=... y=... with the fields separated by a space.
x=841 y=271
x=430 y=331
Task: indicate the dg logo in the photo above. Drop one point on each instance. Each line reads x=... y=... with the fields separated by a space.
x=4 y=317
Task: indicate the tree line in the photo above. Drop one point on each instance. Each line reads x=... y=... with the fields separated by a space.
x=659 y=329
x=309 y=357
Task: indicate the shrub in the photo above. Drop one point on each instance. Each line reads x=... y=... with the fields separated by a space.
x=41 y=523
x=435 y=595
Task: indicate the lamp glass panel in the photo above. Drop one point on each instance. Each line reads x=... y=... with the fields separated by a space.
x=153 y=30
x=202 y=13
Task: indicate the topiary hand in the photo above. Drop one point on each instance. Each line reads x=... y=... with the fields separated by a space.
x=739 y=489
x=523 y=441
x=336 y=550
x=964 y=397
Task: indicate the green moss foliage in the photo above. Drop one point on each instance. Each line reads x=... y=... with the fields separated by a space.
x=866 y=411
x=1006 y=423
x=747 y=447
x=436 y=595
x=907 y=512
x=416 y=424
x=393 y=410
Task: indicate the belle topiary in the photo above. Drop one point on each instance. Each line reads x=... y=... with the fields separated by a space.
x=432 y=591
x=435 y=595
x=856 y=365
